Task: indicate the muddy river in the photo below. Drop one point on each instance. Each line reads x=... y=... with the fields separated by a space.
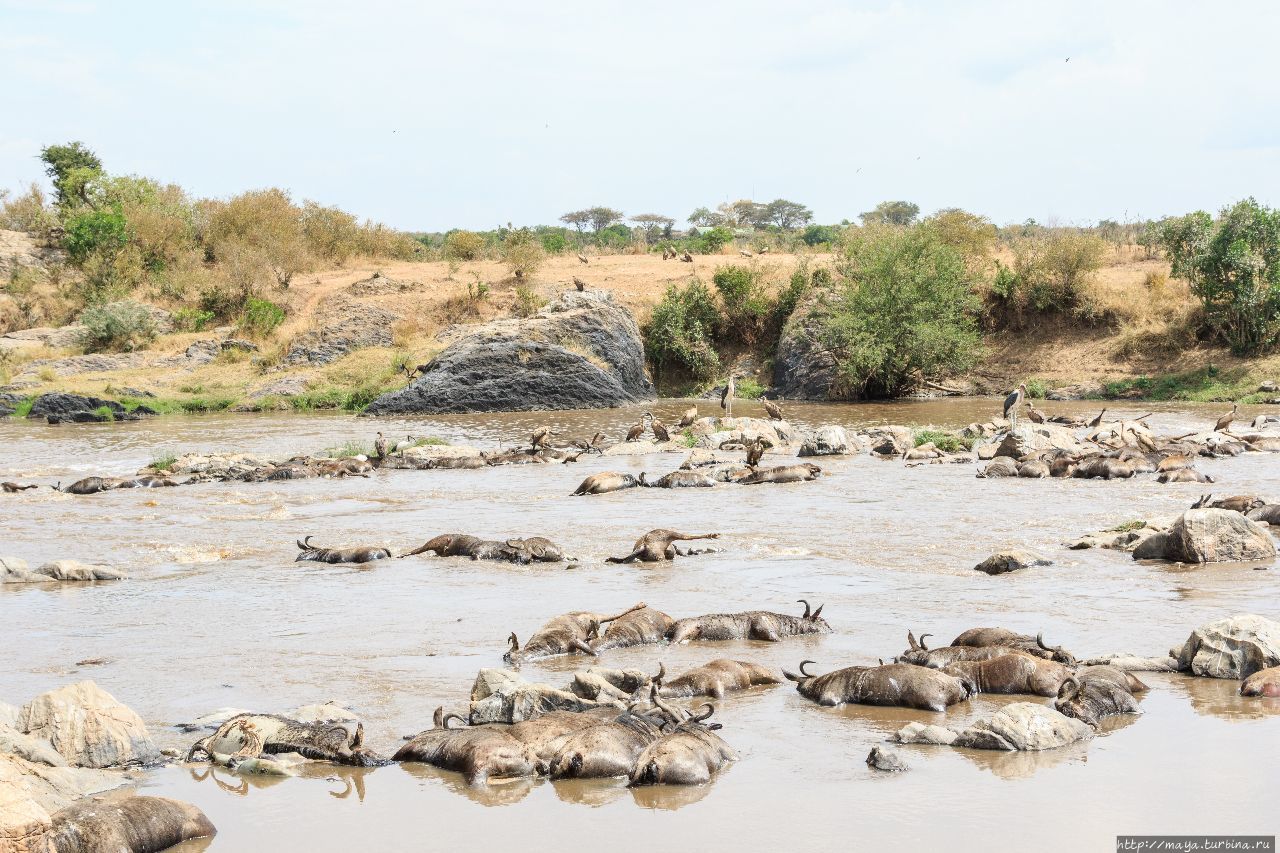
x=217 y=614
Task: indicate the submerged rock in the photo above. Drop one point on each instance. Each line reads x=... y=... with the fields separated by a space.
x=830 y=441
x=886 y=759
x=1024 y=726
x=63 y=405
x=1235 y=647
x=1011 y=560
x=582 y=351
x=14 y=570
x=924 y=733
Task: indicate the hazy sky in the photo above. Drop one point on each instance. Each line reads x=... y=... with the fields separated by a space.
x=429 y=116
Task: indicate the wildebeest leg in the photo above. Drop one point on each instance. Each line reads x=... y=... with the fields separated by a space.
x=762 y=630
x=582 y=647
x=420 y=550
x=630 y=558
x=717 y=690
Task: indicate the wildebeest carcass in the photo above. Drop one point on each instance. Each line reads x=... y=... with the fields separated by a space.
x=605 y=482
x=601 y=751
x=679 y=480
x=636 y=628
x=894 y=684
x=545 y=728
x=1011 y=639
x=479 y=753
x=1264 y=682
x=921 y=655
x=1096 y=692
x=319 y=741
x=658 y=545
x=689 y=753
x=563 y=635
x=524 y=551
x=1012 y=672
x=717 y=678
x=782 y=474
x=1236 y=503
x=749 y=625
x=358 y=554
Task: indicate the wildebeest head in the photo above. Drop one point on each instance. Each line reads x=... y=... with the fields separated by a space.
x=1059 y=654
x=814 y=616
x=1074 y=702
x=917 y=652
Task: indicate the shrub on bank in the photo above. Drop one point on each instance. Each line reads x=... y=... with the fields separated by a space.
x=261 y=317
x=679 y=335
x=117 y=326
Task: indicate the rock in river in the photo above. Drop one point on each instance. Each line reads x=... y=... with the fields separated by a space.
x=1235 y=647
x=582 y=351
x=1209 y=536
x=1010 y=560
x=88 y=727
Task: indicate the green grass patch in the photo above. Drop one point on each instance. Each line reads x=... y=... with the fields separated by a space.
x=431 y=441
x=749 y=389
x=201 y=405
x=164 y=462
x=23 y=409
x=687 y=438
x=1206 y=385
x=947 y=442
x=1036 y=389
x=105 y=413
x=1126 y=527
x=350 y=448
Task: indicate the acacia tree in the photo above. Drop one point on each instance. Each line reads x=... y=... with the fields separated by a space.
x=577 y=218
x=1233 y=265
x=653 y=225
x=742 y=213
x=71 y=167
x=705 y=217
x=602 y=217
x=787 y=214
x=891 y=213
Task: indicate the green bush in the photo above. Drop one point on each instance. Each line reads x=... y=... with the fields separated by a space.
x=816 y=235
x=905 y=310
x=680 y=332
x=528 y=302
x=554 y=244
x=191 y=319
x=1233 y=265
x=260 y=317
x=95 y=232
x=747 y=306
x=711 y=240
x=463 y=245
x=947 y=442
x=119 y=326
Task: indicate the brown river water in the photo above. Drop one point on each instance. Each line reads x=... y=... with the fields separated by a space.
x=217 y=614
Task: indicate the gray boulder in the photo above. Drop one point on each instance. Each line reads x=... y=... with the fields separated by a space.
x=343 y=325
x=1029 y=437
x=88 y=727
x=64 y=405
x=886 y=759
x=803 y=369
x=1024 y=726
x=830 y=441
x=1209 y=536
x=1010 y=560
x=582 y=351
x=1235 y=647
x=925 y=733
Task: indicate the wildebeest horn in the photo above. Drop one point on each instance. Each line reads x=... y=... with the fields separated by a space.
x=711 y=709
x=515 y=644
x=437 y=719
x=923 y=647
x=818 y=612
x=661 y=676
x=911 y=641
x=453 y=716
x=306 y=543
x=802 y=666
x=663 y=706
x=1071 y=682
x=357 y=739
x=806 y=607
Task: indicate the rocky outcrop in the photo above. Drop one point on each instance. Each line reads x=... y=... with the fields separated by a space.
x=64 y=405
x=890 y=441
x=1011 y=560
x=713 y=432
x=1209 y=536
x=343 y=325
x=1126 y=537
x=1027 y=438
x=803 y=369
x=1235 y=647
x=831 y=441
x=1021 y=726
x=32 y=792
x=582 y=351
x=88 y=727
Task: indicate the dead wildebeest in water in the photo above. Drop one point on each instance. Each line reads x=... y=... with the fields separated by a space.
x=1264 y=682
x=716 y=678
x=921 y=655
x=533 y=549
x=605 y=482
x=17 y=487
x=479 y=753
x=689 y=753
x=1012 y=672
x=1236 y=503
x=901 y=685
x=679 y=479
x=749 y=625
x=563 y=635
x=319 y=741
x=545 y=728
x=1102 y=467
x=1096 y=692
x=637 y=628
x=514 y=457
x=659 y=545
x=1184 y=475
x=601 y=751
x=135 y=824
x=1035 y=646
x=358 y=554
x=782 y=474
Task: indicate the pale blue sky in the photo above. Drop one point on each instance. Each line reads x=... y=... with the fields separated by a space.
x=428 y=116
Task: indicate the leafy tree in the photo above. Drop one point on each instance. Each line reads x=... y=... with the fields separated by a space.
x=892 y=213
x=95 y=231
x=579 y=219
x=747 y=305
x=1233 y=265
x=972 y=235
x=711 y=240
x=462 y=245
x=743 y=213
x=787 y=214
x=680 y=332
x=816 y=235
x=602 y=217
x=71 y=167
x=265 y=222
x=654 y=225
x=704 y=217
x=905 y=310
